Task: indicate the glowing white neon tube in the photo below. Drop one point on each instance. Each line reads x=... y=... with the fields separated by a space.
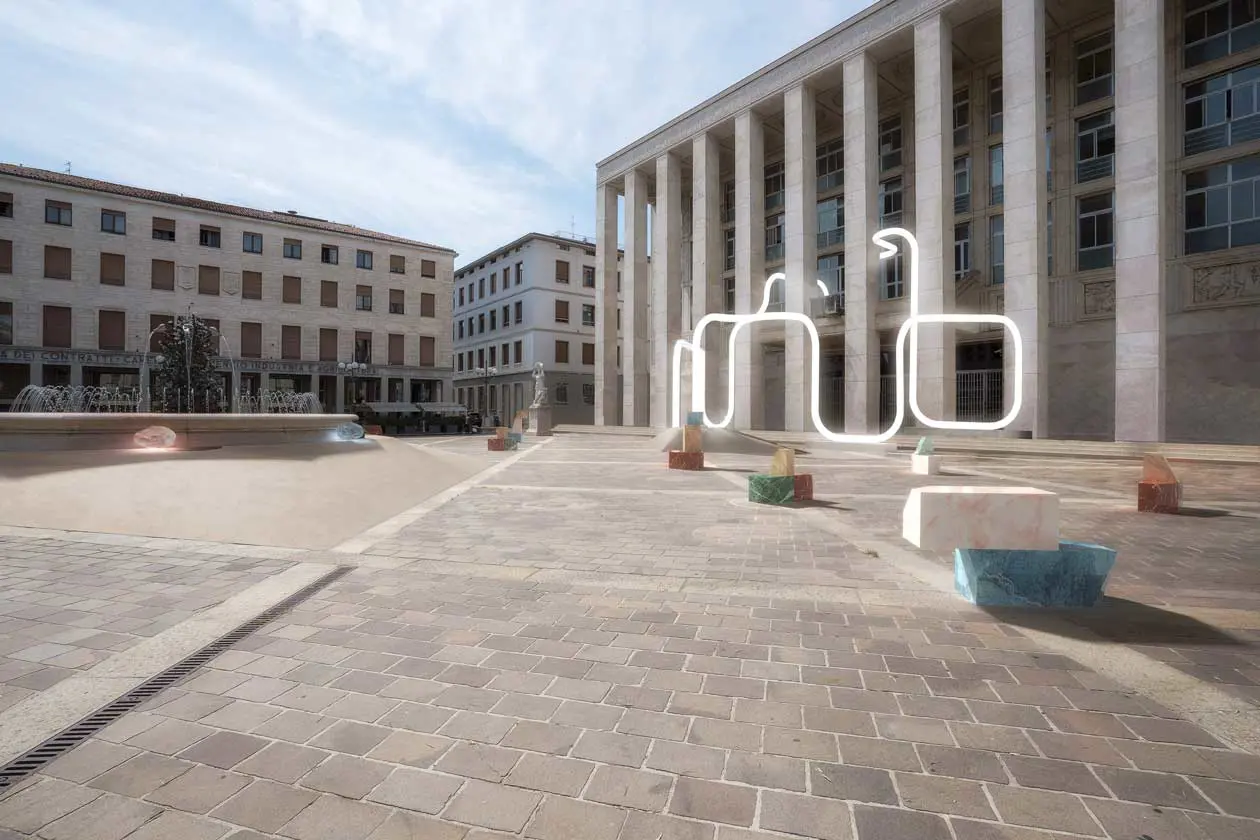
x=908 y=332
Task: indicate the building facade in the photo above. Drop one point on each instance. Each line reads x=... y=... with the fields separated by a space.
x=89 y=272
x=533 y=300
x=1090 y=169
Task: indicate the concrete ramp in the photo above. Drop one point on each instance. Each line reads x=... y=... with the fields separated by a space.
x=718 y=441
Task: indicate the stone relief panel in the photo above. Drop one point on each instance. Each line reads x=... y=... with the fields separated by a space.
x=1098 y=299
x=231 y=283
x=187 y=277
x=1223 y=285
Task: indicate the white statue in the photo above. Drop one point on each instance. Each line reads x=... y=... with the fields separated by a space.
x=540 y=386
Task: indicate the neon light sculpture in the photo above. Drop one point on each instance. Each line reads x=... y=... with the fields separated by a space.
x=908 y=332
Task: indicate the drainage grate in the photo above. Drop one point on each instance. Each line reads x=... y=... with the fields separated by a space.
x=68 y=739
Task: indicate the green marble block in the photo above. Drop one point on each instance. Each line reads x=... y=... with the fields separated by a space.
x=771 y=489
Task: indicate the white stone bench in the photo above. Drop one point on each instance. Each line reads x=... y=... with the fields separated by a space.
x=925 y=464
x=945 y=518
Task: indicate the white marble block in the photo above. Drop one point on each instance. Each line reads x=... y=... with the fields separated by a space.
x=946 y=518
x=925 y=464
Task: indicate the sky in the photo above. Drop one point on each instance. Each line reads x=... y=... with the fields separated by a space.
x=463 y=123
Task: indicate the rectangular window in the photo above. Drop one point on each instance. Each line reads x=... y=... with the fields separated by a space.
x=481 y=288
x=251 y=285
x=516 y=352
x=730 y=298
x=1223 y=110
x=207 y=280
x=397 y=264
x=890 y=203
x=395 y=349
x=363 y=347
x=997 y=250
x=291 y=290
x=1223 y=206
x=428 y=351
x=831 y=272
x=329 y=254
x=6 y=323
x=562 y=352
x=363 y=298
x=588 y=353
x=892 y=278
x=1050 y=160
x=6 y=212
x=494 y=281
x=363 y=259
x=890 y=143
x=562 y=271
x=503 y=353
x=830 y=168
x=58 y=213
x=56 y=262
x=251 y=340
x=290 y=342
x=210 y=237
x=293 y=249
x=1095 y=147
x=588 y=276
x=588 y=315
x=1094 y=68
x=520 y=273
x=327 y=293
x=396 y=298
x=962 y=117
x=57 y=326
x=6 y=256
x=252 y=243
x=494 y=320
x=1049 y=238
x=113 y=221
x=562 y=394
x=830 y=223
x=774 y=238
x=461 y=295
x=461 y=329
x=728 y=202
x=562 y=312
x=162 y=275
x=113 y=270
x=481 y=323
x=774 y=184
x=164 y=229
x=962 y=184
x=111 y=330
x=327 y=344
x=997 y=176
x=493 y=355
x=428 y=305
x=1217 y=28
x=1096 y=236
x=507 y=315
x=728 y=253
x=518 y=312
x=962 y=251
x=995 y=104
x=428 y=268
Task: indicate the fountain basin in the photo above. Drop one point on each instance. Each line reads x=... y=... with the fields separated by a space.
x=42 y=432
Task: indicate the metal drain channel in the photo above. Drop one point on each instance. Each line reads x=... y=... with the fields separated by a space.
x=69 y=738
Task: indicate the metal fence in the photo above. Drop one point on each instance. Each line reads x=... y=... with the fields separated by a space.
x=979 y=398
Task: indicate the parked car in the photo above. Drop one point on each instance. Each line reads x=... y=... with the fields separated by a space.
x=472 y=423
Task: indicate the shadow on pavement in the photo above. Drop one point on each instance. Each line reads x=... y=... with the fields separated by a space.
x=1118 y=620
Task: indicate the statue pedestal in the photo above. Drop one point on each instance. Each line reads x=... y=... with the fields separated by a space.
x=540 y=421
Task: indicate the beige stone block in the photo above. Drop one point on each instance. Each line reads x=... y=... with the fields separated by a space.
x=783 y=462
x=693 y=439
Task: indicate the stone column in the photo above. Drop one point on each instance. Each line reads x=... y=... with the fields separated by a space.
x=861 y=258
x=1024 y=161
x=800 y=251
x=607 y=392
x=750 y=265
x=1141 y=248
x=706 y=264
x=934 y=213
x=340 y=400
x=666 y=283
x=635 y=354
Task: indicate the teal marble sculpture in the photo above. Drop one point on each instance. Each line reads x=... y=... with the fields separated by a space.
x=515 y=437
x=695 y=418
x=771 y=489
x=510 y=443
x=924 y=447
x=1073 y=576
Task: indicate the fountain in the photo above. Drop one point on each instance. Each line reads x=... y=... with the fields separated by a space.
x=185 y=388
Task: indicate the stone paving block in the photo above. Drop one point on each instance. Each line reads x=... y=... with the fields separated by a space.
x=839 y=781
x=806 y=816
x=493 y=806
x=1041 y=809
x=41 y=803
x=720 y=733
x=416 y=790
x=404 y=825
x=350 y=737
x=612 y=748
x=264 y=805
x=1129 y=819
x=1170 y=731
x=641 y=826
x=297 y=727
x=979 y=736
x=1077 y=748
x=169 y=737
x=541 y=737
x=1154 y=788
x=416 y=750
x=417 y=717
x=346 y=776
x=843 y=721
x=198 y=790
x=361 y=707
x=333 y=818
x=107 y=817
x=653 y=725
x=224 y=749
x=714 y=801
x=1049 y=774
x=1235 y=798
x=173 y=824
x=282 y=762
x=559 y=818
x=962 y=763
x=565 y=776
x=587 y=715
x=527 y=706
x=896 y=824
x=141 y=775
x=479 y=761
x=701 y=705
x=686 y=759
x=944 y=795
x=799 y=743
x=89 y=760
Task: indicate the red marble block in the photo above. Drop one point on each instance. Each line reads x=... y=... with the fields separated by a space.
x=803 y=487
x=680 y=460
x=1159 y=496
x=496 y=444
x=373 y=430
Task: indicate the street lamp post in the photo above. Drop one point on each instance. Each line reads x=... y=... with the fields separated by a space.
x=352 y=369
x=486 y=373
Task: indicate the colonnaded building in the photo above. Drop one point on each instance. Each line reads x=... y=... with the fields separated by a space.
x=89 y=270
x=1091 y=169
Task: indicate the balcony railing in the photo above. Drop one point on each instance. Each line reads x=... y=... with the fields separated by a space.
x=827 y=307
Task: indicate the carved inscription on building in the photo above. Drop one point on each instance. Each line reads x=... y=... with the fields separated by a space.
x=1099 y=297
x=1225 y=283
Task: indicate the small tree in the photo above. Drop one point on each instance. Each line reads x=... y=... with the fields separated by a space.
x=185 y=380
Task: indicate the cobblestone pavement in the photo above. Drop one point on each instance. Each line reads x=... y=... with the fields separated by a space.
x=589 y=646
x=67 y=605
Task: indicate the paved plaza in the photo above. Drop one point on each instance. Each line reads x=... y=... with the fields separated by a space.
x=579 y=643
